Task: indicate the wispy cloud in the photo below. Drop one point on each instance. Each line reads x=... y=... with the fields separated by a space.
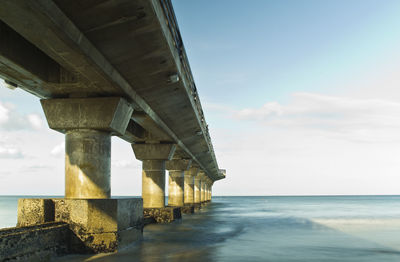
x=10 y=151
x=123 y=163
x=365 y=120
x=11 y=119
x=58 y=150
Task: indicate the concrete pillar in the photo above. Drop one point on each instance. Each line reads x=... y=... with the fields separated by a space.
x=153 y=183
x=207 y=190
x=189 y=176
x=153 y=157
x=202 y=187
x=88 y=124
x=203 y=191
x=197 y=189
x=87 y=164
x=209 y=185
x=176 y=168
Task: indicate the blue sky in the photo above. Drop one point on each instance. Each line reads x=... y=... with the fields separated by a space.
x=302 y=97
x=271 y=48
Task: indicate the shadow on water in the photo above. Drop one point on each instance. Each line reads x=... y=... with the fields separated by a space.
x=247 y=230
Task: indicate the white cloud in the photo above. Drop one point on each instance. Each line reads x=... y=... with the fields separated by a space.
x=58 y=150
x=367 y=120
x=35 y=121
x=7 y=151
x=123 y=163
x=11 y=119
x=4 y=114
x=312 y=145
x=267 y=110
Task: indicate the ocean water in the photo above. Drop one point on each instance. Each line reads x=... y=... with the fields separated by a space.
x=334 y=228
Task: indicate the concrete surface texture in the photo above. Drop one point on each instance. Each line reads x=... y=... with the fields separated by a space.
x=99 y=225
x=189 y=176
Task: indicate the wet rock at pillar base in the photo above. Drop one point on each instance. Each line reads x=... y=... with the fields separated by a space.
x=188 y=209
x=161 y=215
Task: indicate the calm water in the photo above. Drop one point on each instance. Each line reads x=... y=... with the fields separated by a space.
x=361 y=228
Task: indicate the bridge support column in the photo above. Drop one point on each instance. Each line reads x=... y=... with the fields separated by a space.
x=153 y=157
x=189 y=177
x=176 y=168
x=197 y=191
x=206 y=192
x=210 y=192
x=99 y=223
x=202 y=186
x=87 y=164
x=209 y=185
x=88 y=124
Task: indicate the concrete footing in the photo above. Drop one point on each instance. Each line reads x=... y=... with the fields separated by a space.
x=100 y=225
x=197 y=207
x=188 y=209
x=35 y=243
x=162 y=215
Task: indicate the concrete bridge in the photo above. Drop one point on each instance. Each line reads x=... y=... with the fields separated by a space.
x=110 y=68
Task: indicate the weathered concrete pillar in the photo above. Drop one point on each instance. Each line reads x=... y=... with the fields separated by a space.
x=88 y=124
x=176 y=168
x=197 y=189
x=153 y=183
x=209 y=189
x=207 y=181
x=189 y=185
x=153 y=157
x=87 y=164
x=202 y=187
x=209 y=185
x=206 y=191
x=99 y=223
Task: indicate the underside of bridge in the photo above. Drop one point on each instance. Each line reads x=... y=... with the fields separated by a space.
x=107 y=68
x=128 y=49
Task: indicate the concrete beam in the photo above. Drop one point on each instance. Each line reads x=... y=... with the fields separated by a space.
x=145 y=151
x=134 y=133
x=178 y=164
x=110 y=114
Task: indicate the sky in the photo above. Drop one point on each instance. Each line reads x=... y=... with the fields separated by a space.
x=301 y=97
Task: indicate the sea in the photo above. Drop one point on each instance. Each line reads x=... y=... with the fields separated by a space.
x=265 y=228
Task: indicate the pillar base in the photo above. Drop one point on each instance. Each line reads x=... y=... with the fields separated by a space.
x=162 y=215
x=188 y=209
x=205 y=203
x=197 y=207
x=99 y=225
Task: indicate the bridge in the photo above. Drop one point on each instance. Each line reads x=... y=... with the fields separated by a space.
x=110 y=68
